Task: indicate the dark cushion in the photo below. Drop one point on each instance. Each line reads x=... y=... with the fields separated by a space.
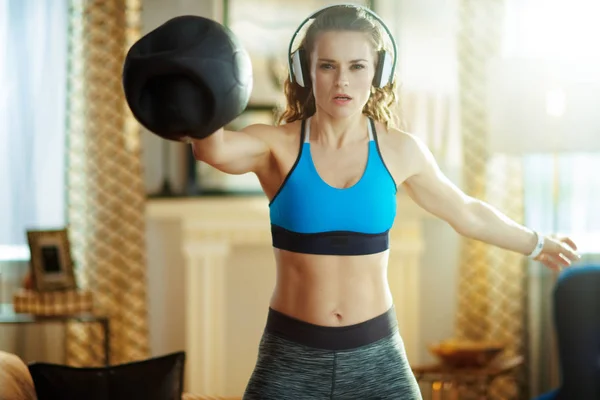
x=158 y=378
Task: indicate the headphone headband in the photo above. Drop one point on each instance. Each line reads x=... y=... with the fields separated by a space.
x=367 y=10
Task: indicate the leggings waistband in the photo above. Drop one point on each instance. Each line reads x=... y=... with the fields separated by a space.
x=332 y=337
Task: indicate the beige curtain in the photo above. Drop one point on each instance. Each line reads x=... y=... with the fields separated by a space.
x=492 y=282
x=106 y=198
x=431 y=116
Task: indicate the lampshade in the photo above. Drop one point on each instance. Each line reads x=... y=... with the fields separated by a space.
x=539 y=107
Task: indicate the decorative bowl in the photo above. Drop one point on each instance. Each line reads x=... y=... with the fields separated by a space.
x=456 y=353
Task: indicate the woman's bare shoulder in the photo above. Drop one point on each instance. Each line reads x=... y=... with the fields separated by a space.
x=395 y=138
x=403 y=151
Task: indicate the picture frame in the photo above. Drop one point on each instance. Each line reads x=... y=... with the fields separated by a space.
x=51 y=262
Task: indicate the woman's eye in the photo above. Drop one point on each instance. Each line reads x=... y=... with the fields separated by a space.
x=326 y=66
x=358 y=66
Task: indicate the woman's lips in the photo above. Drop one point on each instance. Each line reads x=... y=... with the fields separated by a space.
x=342 y=99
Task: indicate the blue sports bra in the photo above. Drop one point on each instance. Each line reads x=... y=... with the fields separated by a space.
x=310 y=216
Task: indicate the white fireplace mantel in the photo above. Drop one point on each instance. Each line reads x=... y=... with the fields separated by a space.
x=212 y=228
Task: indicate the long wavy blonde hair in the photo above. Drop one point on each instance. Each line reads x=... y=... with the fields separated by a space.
x=301 y=101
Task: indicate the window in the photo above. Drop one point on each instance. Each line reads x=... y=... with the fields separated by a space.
x=33 y=66
x=561 y=191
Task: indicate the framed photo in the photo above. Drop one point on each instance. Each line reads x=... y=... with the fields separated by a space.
x=51 y=262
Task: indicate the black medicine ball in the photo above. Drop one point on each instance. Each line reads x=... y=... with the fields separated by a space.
x=188 y=77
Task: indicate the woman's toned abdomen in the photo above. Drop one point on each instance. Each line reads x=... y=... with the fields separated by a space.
x=331 y=290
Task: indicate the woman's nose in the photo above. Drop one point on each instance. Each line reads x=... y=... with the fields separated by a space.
x=342 y=79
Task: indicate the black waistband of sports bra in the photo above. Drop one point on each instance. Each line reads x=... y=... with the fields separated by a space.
x=332 y=337
x=339 y=243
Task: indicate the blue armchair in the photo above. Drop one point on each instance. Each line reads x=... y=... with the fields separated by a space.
x=576 y=302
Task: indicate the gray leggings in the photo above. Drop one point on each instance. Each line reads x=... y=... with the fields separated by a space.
x=298 y=361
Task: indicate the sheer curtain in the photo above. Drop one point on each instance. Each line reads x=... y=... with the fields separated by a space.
x=562 y=190
x=33 y=51
x=564 y=34
x=33 y=60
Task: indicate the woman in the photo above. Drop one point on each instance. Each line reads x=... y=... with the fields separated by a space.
x=331 y=172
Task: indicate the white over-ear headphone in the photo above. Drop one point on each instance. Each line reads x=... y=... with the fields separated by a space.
x=298 y=60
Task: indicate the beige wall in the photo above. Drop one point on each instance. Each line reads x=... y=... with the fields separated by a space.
x=246 y=315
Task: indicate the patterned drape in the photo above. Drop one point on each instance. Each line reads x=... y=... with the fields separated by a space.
x=492 y=282
x=106 y=197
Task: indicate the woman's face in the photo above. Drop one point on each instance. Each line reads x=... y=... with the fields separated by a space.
x=342 y=70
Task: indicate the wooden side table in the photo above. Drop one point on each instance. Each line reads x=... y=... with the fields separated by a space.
x=8 y=316
x=479 y=378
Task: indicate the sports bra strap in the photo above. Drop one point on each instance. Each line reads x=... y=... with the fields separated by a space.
x=307 y=130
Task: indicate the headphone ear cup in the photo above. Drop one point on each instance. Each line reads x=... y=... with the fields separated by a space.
x=297 y=68
x=305 y=67
x=300 y=69
x=383 y=73
x=379 y=70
